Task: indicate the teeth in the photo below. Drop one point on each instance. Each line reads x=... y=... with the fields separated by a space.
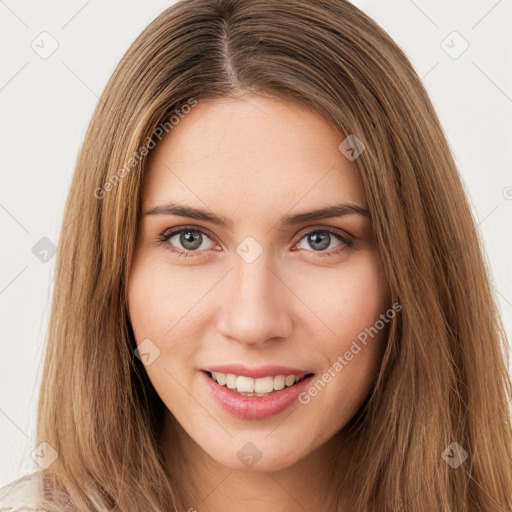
x=265 y=385
x=219 y=377
x=289 y=380
x=245 y=385
x=259 y=387
x=230 y=381
x=279 y=382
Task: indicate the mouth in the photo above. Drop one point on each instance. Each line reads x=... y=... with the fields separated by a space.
x=255 y=392
x=249 y=386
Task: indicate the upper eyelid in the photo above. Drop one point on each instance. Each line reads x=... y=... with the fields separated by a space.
x=312 y=229
x=168 y=233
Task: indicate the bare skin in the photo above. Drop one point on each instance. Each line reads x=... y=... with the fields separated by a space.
x=253 y=161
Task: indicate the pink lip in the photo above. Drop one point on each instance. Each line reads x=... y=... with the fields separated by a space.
x=269 y=370
x=255 y=407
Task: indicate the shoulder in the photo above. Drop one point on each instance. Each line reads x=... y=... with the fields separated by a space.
x=22 y=495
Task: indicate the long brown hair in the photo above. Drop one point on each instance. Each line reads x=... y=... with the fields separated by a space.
x=443 y=377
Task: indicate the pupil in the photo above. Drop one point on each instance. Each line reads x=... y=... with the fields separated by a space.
x=321 y=238
x=190 y=240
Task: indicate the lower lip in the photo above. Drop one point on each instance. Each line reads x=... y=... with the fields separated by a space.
x=255 y=407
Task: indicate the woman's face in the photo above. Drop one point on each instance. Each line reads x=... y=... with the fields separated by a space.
x=254 y=291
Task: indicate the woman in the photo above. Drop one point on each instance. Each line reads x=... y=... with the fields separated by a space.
x=278 y=298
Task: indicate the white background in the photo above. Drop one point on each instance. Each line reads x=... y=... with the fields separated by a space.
x=46 y=104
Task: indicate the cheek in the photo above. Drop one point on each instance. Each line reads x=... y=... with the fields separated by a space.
x=348 y=298
x=156 y=309
x=146 y=303
x=167 y=306
x=350 y=301
x=159 y=299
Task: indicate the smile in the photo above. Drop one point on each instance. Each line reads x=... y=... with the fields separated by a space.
x=255 y=398
x=255 y=387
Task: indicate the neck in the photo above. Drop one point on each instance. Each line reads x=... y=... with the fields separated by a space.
x=207 y=486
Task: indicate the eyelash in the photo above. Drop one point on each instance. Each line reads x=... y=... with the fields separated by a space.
x=164 y=237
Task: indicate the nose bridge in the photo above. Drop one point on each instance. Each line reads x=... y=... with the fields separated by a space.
x=255 y=309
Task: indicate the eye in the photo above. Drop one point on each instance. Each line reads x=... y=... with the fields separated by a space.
x=185 y=241
x=321 y=239
x=190 y=241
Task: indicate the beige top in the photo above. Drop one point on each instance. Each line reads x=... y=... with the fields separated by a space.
x=23 y=494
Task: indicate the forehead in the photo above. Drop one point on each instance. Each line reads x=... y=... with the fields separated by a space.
x=252 y=152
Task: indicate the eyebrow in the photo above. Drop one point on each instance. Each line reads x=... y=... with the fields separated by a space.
x=338 y=210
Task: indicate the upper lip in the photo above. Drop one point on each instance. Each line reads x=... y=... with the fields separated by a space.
x=269 y=370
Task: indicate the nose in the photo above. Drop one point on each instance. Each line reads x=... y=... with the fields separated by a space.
x=255 y=305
